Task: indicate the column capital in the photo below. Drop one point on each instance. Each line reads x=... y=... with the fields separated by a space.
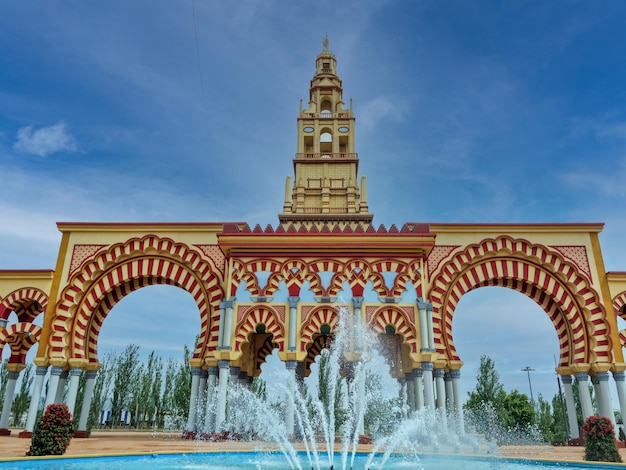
x=76 y=372
x=293 y=301
x=455 y=374
x=581 y=376
x=357 y=302
x=602 y=376
x=196 y=371
x=439 y=373
x=55 y=370
x=13 y=375
x=223 y=364
x=227 y=303
x=204 y=374
x=417 y=373
x=91 y=374
x=429 y=366
x=3 y=323
x=619 y=376
x=212 y=370
x=567 y=379
x=291 y=365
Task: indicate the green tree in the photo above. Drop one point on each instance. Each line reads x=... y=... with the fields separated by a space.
x=21 y=400
x=382 y=414
x=485 y=405
x=124 y=377
x=518 y=411
x=325 y=390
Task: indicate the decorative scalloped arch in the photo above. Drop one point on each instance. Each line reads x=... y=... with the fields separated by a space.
x=27 y=303
x=400 y=321
x=94 y=290
x=536 y=271
x=254 y=316
x=314 y=322
x=619 y=302
x=20 y=337
x=357 y=273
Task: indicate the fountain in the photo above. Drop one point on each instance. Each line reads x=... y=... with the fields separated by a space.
x=426 y=439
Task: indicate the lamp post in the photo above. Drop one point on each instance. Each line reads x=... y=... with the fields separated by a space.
x=527 y=369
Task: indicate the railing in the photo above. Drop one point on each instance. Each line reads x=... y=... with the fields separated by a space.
x=319 y=156
x=331 y=210
x=325 y=115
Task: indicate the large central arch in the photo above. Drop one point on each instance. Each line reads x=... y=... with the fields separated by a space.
x=542 y=274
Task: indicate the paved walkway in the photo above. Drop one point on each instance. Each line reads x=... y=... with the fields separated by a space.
x=127 y=442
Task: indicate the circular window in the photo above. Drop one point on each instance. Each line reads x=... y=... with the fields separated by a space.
x=344 y=129
x=308 y=129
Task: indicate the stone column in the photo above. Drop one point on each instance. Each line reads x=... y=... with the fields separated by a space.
x=220 y=412
x=441 y=391
x=429 y=398
x=202 y=398
x=357 y=302
x=220 y=331
x=53 y=385
x=40 y=373
x=604 y=397
x=243 y=378
x=88 y=396
x=61 y=386
x=582 y=379
x=290 y=412
x=72 y=393
x=429 y=323
x=193 y=400
x=410 y=390
x=293 y=327
x=570 y=406
x=418 y=379
x=8 y=402
x=421 y=307
x=228 y=323
x=209 y=413
x=403 y=396
x=621 y=391
x=455 y=376
x=449 y=392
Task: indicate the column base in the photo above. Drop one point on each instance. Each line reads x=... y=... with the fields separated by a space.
x=5 y=432
x=81 y=434
x=25 y=434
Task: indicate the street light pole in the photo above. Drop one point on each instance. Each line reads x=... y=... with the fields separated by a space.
x=527 y=369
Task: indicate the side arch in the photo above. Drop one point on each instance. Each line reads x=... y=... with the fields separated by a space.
x=399 y=320
x=27 y=303
x=93 y=291
x=257 y=315
x=20 y=337
x=566 y=294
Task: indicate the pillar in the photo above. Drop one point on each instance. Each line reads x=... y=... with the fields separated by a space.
x=72 y=393
x=290 y=411
x=449 y=392
x=220 y=412
x=403 y=396
x=621 y=391
x=40 y=373
x=418 y=379
x=455 y=377
x=193 y=399
x=410 y=390
x=441 y=391
x=61 y=386
x=220 y=332
x=357 y=302
x=201 y=401
x=570 y=406
x=429 y=394
x=90 y=377
x=228 y=323
x=293 y=327
x=53 y=385
x=604 y=397
x=583 y=390
x=421 y=307
x=429 y=324
x=243 y=378
x=209 y=413
x=8 y=402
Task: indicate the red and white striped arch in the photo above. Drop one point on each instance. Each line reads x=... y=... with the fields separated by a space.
x=544 y=275
x=93 y=291
x=260 y=315
x=313 y=323
x=399 y=319
x=27 y=303
x=619 y=307
x=20 y=337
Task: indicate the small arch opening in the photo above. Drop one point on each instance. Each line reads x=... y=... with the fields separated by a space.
x=260 y=329
x=325 y=329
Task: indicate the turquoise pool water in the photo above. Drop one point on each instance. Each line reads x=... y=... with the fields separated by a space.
x=259 y=461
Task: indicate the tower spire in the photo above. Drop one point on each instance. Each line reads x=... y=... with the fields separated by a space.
x=325 y=184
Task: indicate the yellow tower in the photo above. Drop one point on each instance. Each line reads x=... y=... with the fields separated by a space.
x=325 y=187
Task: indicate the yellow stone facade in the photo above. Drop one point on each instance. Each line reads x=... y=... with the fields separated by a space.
x=261 y=289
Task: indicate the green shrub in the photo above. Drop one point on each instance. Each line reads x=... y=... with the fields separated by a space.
x=53 y=432
x=600 y=445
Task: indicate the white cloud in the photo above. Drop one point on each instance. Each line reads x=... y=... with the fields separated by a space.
x=380 y=108
x=45 y=140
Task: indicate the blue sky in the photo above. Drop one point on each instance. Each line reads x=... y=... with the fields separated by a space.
x=466 y=112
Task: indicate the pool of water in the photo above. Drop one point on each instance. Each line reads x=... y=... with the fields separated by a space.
x=261 y=461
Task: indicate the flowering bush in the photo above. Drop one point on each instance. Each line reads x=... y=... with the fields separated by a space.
x=53 y=432
x=599 y=437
